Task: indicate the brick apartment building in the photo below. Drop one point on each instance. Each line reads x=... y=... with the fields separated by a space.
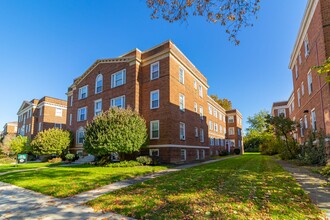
x=37 y=115
x=184 y=123
x=234 y=130
x=309 y=103
x=10 y=128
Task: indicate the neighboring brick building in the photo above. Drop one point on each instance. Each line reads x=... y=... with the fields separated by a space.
x=281 y=109
x=10 y=128
x=234 y=130
x=37 y=115
x=309 y=104
x=165 y=88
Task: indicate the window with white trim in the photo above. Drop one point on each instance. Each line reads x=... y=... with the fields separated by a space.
x=299 y=58
x=202 y=135
x=210 y=110
x=58 y=112
x=82 y=114
x=182 y=102
x=97 y=107
x=182 y=131
x=210 y=125
x=80 y=136
x=196 y=132
x=313 y=116
x=298 y=94
x=296 y=69
x=217 y=142
x=118 y=78
x=99 y=84
x=181 y=75
x=39 y=126
x=197 y=154
x=195 y=84
x=201 y=114
x=310 y=83
x=215 y=113
x=230 y=119
x=200 y=91
x=57 y=125
x=154 y=71
x=203 y=154
x=70 y=119
x=306 y=121
x=118 y=102
x=40 y=111
x=71 y=100
x=154 y=129
x=220 y=116
x=281 y=112
x=301 y=125
x=154 y=152
x=220 y=129
x=302 y=89
x=83 y=92
x=306 y=44
x=215 y=127
x=211 y=141
x=183 y=154
x=154 y=99
x=231 y=131
x=195 y=107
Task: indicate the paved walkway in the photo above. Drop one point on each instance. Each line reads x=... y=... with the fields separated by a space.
x=311 y=182
x=20 y=203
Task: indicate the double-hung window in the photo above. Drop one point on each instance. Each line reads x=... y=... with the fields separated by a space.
x=118 y=79
x=313 y=120
x=118 y=102
x=200 y=91
x=80 y=136
x=306 y=122
x=202 y=135
x=307 y=49
x=301 y=125
x=82 y=114
x=154 y=99
x=182 y=102
x=196 y=132
x=302 y=89
x=154 y=129
x=201 y=114
x=183 y=154
x=97 y=107
x=83 y=92
x=230 y=119
x=181 y=75
x=298 y=94
x=154 y=71
x=58 y=112
x=310 y=83
x=231 y=131
x=182 y=131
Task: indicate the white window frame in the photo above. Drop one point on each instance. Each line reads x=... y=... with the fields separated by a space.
x=57 y=125
x=80 y=94
x=151 y=151
x=184 y=151
x=313 y=119
x=71 y=100
x=231 y=131
x=58 y=112
x=78 y=132
x=39 y=126
x=231 y=119
x=122 y=100
x=195 y=85
x=215 y=113
x=307 y=47
x=97 y=111
x=301 y=127
x=151 y=99
x=197 y=154
x=99 y=78
x=114 y=81
x=195 y=107
x=182 y=131
x=201 y=112
x=299 y=58
x=210 y=125
x=181 y=75
x=310 y=82
x=302 y=89
x=296 y=69
x=196 y=132
x=216 y=127
x=151 y=71
x=299 y=98
x=210 y=110
x=151 y=130
x=211 y=141
x=306 y=121
x=202 y=135
x=203 y=155
x=182 y=102
x=79 y=114
x=70 y=119
x=200 y=91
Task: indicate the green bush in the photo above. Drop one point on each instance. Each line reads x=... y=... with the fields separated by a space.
x=326 y=171
x=145 y=160
x=125 y=163
x=313 y=154
x=223 y=153
x=51 y=141
x=55 y=160
x=237 y=151
x=19 y=144
x=70 y=157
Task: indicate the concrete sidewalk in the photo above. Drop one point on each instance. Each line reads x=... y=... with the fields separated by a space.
x=312 y=184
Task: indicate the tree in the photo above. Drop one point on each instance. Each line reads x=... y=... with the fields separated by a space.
x=51 y=141
x=324 y=69
x=115 y=131
x=19 y=144
x=233 y=14
x=224 y=103
x=257 y=122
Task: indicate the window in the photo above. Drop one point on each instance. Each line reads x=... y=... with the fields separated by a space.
x=195 y=84
x=196 y=132
x=182 y=131
x=313 y=120
x=301 y=128
x=39 y=126
x=310 y=83
x=118 y=79
x=80 y=136
x=210 y=125
x=298 y=94
x=57 y=125
x=220 y=129
x=195 y=107
x=181 y=75
x=202 y=135
x=58 y=112
x=296 y=68
x=302 y=89
x=231 y=131
x=215 y=127
x=200 y=91
x=239 y=131
x=210 y=110
x=154 y=71
x=230 y=119
x=82 y=113
x=154 y=99
x=154 y=152
x=70 y=119
x=281 y=113
x=197 y=154
x=203 y=154
x=201 y=112
x=307 y=49
x=118 y=102
x=292 y=106
x=183 y=154
x=220 y=116
x=306 y=122
x=97 y=107
x=212 y=141
x=299 y=58
x=71 y=100
x=217 y=142
x=182 y=104
x=154 y=129
x=40 y=112
x=83 y=92
x=215 y=113
x=99 y=84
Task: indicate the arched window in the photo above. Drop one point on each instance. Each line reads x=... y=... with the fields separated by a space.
x=99 y=84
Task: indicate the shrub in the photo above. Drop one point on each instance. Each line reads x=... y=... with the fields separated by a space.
x=237 y=151
x=19 y=145
x=313 y=154
x=70 y=157
x=145 y=160
x=51 y=141
x=326 y=171
x=125 y=163
x=223 y=153
x=117 y=130
x=55 y=160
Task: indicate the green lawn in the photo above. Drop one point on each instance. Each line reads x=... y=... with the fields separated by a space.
x=247 y=187
x=67 y=181
x=12 y=167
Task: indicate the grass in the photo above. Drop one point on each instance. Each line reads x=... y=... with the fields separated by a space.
x=67 y=181
x=12 y=167
x=252 y=186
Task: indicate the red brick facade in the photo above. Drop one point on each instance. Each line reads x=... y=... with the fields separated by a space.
x=37 y=115
x=172 y=101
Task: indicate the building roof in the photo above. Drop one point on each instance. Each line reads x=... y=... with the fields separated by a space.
x=281 y=103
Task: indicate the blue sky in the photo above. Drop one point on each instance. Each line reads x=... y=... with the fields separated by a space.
x=44 y=45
